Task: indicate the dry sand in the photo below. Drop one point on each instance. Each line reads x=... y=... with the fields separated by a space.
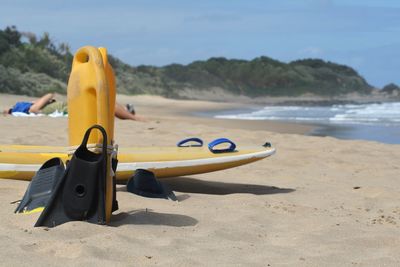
x=317 y=202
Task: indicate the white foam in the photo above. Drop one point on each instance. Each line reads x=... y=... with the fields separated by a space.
x=386 y=113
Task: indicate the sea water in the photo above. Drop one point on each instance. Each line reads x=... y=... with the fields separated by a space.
x=377 y=122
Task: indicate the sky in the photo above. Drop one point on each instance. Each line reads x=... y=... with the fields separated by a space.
x=364 y=34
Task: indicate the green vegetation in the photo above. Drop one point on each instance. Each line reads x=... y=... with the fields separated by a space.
x=391 y=88
x=33 y=66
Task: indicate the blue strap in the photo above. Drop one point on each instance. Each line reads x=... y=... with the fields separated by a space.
x=192 y=139
x=219 y=141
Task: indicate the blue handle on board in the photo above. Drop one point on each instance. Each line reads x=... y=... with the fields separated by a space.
x=184 y=142
x=219 y=141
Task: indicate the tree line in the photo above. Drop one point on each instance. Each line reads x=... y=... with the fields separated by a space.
x=33 y=65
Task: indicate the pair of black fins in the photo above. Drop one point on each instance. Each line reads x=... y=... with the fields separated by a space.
x=77 y=193
x=74 y=193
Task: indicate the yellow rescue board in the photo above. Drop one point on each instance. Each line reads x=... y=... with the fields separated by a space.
x=21 y=162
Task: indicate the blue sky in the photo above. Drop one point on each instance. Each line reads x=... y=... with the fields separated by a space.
x=363 y=34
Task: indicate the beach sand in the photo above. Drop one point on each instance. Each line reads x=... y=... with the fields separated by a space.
x=319 y=201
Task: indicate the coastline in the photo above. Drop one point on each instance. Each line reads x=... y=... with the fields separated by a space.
x=195 y=110
x=156 y=109
x=200 y=112
x=222 y=96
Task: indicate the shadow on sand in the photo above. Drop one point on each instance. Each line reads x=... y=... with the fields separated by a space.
x=148 y=217
x=191 y=185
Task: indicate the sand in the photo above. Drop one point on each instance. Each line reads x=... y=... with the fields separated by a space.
x=317 y=202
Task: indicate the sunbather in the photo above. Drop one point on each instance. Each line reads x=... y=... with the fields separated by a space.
x=47 y=104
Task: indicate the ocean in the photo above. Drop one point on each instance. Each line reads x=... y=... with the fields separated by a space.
x=377 y=122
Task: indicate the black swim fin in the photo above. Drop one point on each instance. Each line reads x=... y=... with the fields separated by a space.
x=80 y=195
x=41 y=186
x=144 y=183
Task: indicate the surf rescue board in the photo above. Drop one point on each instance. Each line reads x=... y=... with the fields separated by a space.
x=21 y=162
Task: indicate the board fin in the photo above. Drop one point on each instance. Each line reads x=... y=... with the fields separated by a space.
x=144 y=183
x=42 y=186
x=80 y=195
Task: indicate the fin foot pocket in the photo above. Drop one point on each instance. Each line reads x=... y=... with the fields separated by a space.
x=80 y=194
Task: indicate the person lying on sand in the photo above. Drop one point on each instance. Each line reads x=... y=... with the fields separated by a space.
x=47 y=105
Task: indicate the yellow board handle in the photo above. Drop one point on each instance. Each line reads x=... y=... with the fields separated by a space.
x=89 y=97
